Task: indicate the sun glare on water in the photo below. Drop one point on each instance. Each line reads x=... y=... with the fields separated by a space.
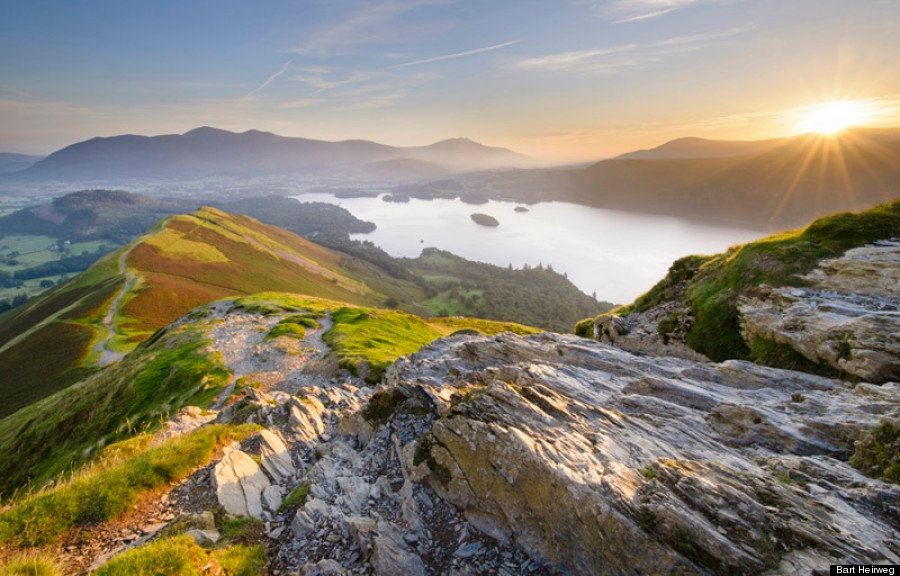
x=832 y=117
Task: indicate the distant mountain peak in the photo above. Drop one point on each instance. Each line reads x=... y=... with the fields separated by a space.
x=206 y=151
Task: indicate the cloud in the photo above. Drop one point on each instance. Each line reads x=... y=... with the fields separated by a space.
x=625 y=11
x=299 y=103
x=284 y=68
x=570 y=60
x=613 y=58
x=363 y=26
x=455 y=55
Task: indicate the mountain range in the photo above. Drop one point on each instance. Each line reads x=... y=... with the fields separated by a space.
x=205 y=152
x=768 y=185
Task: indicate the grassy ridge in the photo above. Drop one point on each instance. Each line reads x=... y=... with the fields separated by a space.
x=710 y=285
x=105 y=490
x=181 y=263
x=49 y=436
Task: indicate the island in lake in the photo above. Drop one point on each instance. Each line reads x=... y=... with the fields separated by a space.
x=484 y=219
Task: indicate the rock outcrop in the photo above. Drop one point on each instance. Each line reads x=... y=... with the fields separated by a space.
x=239 y=484
x=848 y=317
x=598 y=461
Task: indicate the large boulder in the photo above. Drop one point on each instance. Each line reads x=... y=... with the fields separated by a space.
x=239 y=484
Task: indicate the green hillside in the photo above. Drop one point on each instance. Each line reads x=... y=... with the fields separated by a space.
x=710 y=285
x=184 y=262
x=458 y=286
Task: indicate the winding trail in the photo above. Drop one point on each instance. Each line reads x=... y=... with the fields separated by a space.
x=108 y=356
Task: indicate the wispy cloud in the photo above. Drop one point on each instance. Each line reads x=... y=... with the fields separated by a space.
x=362 y=26
x=572 y=59
x=613 y=58
x=284 y=68
x=455 y=55
x=625 y=11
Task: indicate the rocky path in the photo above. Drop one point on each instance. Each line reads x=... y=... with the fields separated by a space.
x=107 y=356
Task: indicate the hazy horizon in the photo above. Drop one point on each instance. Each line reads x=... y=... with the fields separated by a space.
x=568 y=82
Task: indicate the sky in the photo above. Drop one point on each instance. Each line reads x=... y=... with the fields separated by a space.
x=561 y=80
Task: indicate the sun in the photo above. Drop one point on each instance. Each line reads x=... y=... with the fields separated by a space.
x=832 y=117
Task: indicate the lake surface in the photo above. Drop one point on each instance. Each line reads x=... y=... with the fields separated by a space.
x=620 y=255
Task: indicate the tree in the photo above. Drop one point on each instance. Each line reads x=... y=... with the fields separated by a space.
x=19 y=300
x=4 y=305
x=391 y=302
x=46 y=283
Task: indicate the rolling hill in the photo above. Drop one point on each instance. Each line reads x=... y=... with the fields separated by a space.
x=185 y=261
x=205 y=152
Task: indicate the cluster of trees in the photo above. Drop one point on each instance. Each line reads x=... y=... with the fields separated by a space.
x=538 y=296
x=67 y=265
x=7 y=304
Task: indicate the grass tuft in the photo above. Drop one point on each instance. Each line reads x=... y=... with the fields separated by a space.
x=878 y=452
x=30 y=564
x=296 y=498
x=105 y=490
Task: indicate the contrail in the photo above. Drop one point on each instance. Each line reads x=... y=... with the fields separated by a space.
x=455 y=55
x=272 y=78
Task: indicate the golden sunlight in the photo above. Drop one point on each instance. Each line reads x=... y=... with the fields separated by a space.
x=832 y=117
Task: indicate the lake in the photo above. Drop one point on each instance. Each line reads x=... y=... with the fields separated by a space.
x=620 y=255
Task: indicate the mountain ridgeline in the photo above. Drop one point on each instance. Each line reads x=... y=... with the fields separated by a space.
x=206 y=152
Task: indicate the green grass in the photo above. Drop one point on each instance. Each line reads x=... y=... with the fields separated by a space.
x=237 y=528
x=289 y=330
x=169 y=371
x=107 y=489
x=451 y=324
x=294 y=326
x=176 y=556
x=181 y=556
x=370 y=340
x=710 y=285
x=296 y=498
x=307 y=320
x=278 y=302
x=30 y=564
x=242 y=560
x=375 y=338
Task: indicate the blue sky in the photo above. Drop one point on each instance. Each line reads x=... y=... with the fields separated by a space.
x=562 y=80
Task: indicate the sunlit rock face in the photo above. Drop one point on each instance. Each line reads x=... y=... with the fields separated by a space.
x=596 y=460
x=848 y=317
